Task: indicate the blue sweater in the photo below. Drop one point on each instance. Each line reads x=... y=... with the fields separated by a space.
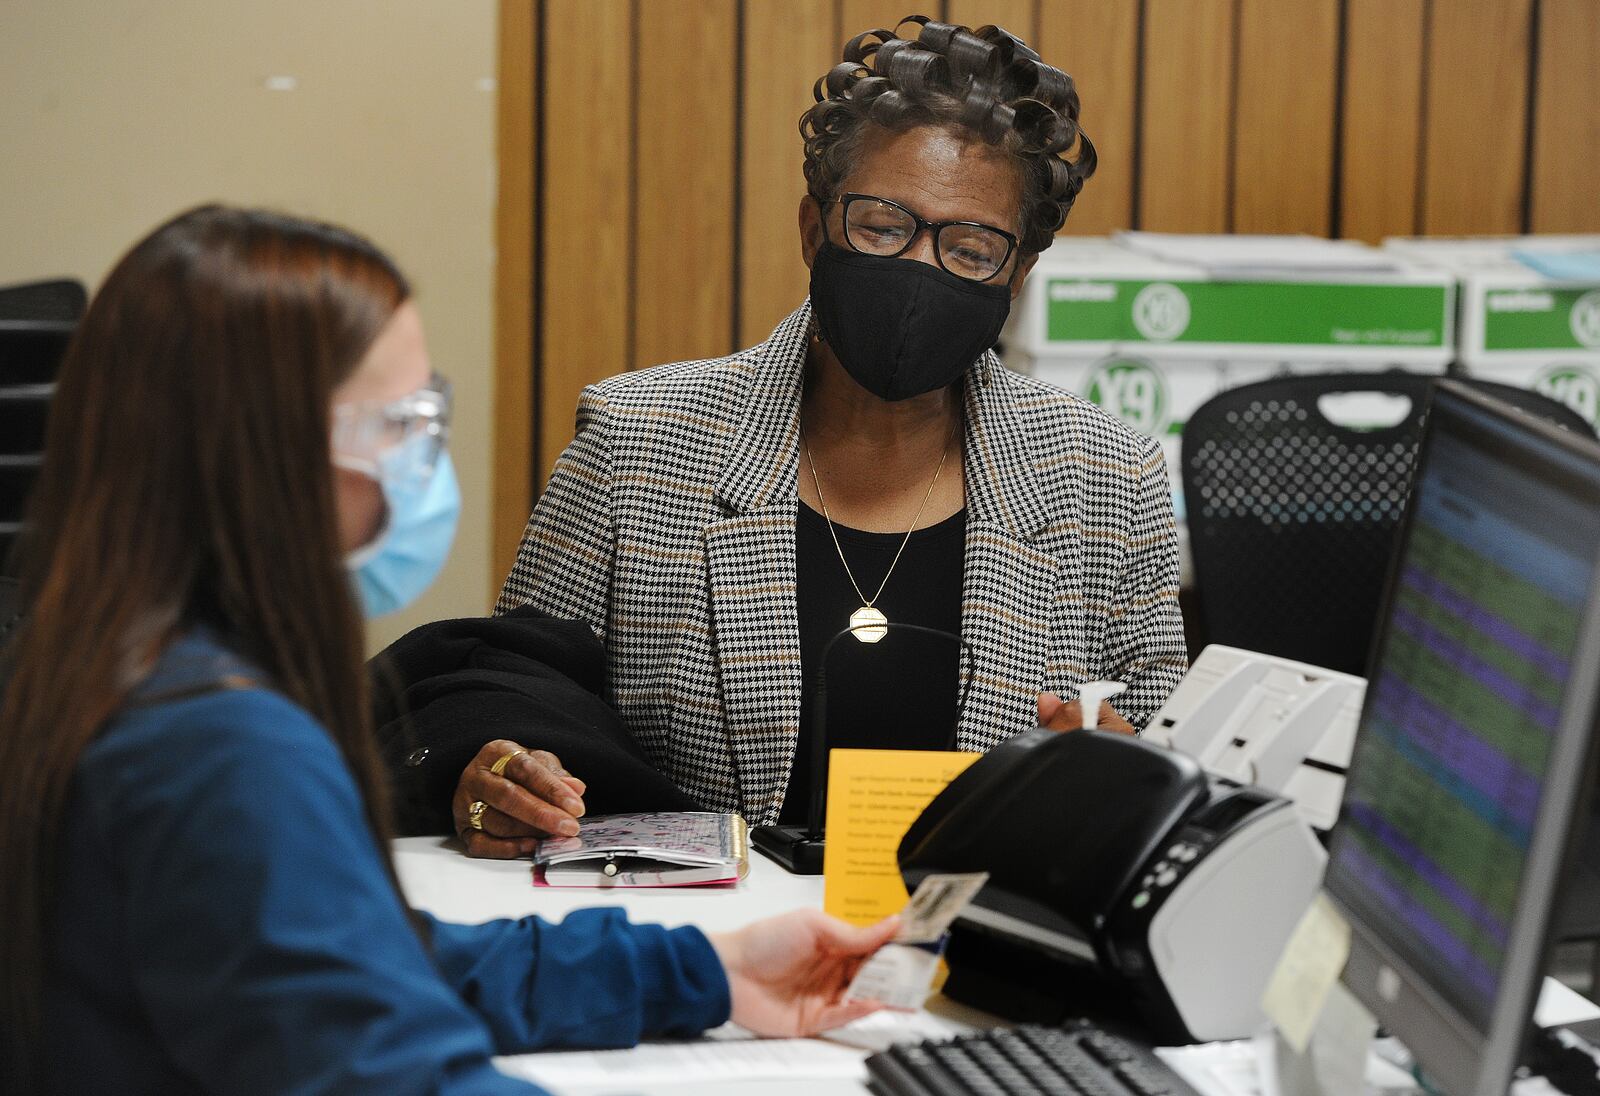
x=225 y=923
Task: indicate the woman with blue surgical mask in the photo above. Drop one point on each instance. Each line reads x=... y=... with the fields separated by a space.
x=391 y=462
x=246 y=443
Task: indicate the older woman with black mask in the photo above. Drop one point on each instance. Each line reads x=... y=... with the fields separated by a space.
x=718 y=522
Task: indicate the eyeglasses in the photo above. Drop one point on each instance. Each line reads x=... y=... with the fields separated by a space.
x=417 y=425
x=967 y=249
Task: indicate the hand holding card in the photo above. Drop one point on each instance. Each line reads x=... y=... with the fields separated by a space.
x=900 y=974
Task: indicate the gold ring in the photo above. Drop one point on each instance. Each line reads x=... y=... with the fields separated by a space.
x=499 y=767
x=475 y=814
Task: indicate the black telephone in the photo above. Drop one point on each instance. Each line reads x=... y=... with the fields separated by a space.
x=1123 y=879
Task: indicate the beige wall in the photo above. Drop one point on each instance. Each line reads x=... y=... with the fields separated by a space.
x=115 y=114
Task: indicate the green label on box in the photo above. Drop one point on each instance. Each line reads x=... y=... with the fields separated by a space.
x=1133 y=390
x=1253 y=313
x=1541 y=319
x=1574 y=386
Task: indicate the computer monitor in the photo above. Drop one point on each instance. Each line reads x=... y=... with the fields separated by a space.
x=1471 y=769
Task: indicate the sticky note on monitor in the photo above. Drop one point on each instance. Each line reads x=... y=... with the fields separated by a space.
x=1310 y=965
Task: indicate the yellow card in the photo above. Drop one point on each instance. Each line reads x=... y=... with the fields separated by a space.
x=1310 y=965
x=873 y=797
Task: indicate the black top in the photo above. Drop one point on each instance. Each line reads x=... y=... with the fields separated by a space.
x=901 y=692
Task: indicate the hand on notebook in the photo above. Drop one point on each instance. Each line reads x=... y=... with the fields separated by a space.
x=531 y=797
x=788 y=974
x=1066 y=715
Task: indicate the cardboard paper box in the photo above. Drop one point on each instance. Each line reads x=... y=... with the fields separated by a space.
x=1150 y=327
x=1517 y=325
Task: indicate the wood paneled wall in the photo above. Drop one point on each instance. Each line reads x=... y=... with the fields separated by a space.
x=655 y=144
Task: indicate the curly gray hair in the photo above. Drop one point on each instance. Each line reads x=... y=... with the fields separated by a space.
x=987 y=81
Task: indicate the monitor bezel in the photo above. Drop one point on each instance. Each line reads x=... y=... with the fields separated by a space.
x=1458 y=1057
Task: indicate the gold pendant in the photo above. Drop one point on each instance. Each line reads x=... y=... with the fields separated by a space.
x=868 y=625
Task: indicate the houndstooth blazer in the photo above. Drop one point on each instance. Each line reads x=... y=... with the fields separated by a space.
x=669 y=525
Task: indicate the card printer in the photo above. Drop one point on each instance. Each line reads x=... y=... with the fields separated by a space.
x=1259 y=719
x=1125 y=882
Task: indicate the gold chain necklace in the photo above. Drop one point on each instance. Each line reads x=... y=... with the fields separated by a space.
x=867 y=623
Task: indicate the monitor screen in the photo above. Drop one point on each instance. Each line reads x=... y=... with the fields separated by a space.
x=1484 y=660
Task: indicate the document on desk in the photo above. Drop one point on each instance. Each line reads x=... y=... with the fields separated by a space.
x=1217 y=1069
x=1244 y=1067
x=729 y=1054
x=873 y=797
x=739 y=1060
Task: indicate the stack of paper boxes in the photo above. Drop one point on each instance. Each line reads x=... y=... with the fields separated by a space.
x=1151 y=326
x=1529 y=311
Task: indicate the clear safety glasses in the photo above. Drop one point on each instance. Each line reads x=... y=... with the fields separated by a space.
x=411 y=431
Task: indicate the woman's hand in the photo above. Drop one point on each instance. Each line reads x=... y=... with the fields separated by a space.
x=532 y=797
x=788 y=974
x=1067 y=715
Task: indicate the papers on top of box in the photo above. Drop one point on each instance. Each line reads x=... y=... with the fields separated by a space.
x=1565 y=266
x=1466 y=256
x=1529 y=310
x=1526 y=301
x=1260 y=256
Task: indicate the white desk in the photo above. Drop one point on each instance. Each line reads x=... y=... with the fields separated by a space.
x=436 y=877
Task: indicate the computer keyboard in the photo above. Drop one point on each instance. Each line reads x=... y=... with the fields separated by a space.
x=1030 y=1060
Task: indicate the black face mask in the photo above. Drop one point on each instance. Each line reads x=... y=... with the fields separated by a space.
x=901 y=327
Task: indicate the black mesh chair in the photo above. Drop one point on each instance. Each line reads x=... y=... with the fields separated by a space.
x=1292 y=520
x=36 y=322
x=1292 y=517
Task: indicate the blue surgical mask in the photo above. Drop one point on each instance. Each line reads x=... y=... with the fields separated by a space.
x=423 y=504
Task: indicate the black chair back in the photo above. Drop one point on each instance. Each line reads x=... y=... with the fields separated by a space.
x=59 y=300
x=1293 y=517
x=36 y=323
x=10 y=607
x=30 y=356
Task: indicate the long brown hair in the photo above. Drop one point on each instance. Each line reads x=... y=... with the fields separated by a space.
x=187 y=479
